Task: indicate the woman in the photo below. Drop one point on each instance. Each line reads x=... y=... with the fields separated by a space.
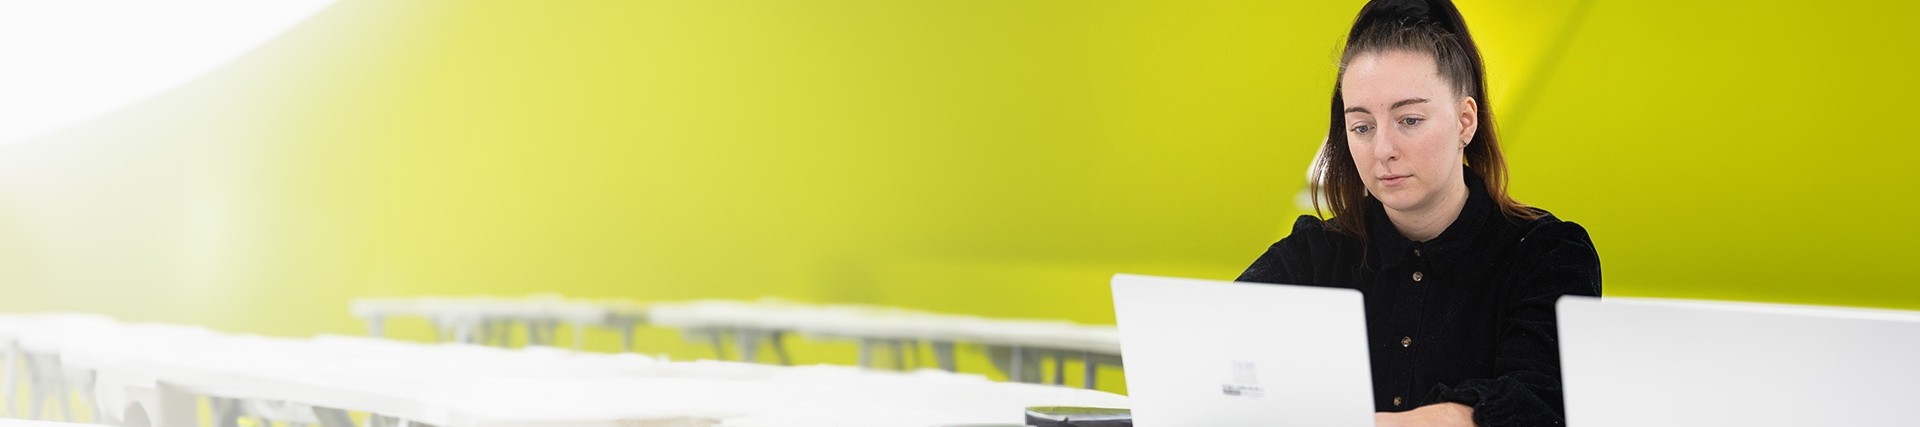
x=1460 y=279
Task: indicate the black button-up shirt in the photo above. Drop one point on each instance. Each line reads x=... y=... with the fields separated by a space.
x=1466 y=317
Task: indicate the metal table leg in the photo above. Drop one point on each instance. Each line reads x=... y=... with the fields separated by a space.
x=376 y=326
x=1059 y=368
x=626 y=338
x=899 y=354
x=12 y=381
x=943 y=354
x=1018 y=370
x=780 y=348
x=719 y=347
x=748 y=341
x=866 y=353
x=1092 y=369
x=330 y=417
x=226 y=412
x=579 y=335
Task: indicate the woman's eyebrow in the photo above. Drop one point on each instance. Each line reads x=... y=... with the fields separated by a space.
x=1402 y=103
x=1406 y=102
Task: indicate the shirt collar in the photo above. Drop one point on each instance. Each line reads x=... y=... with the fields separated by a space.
x=1389 y=248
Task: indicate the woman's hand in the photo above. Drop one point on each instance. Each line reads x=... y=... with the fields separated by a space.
x=1438 y=414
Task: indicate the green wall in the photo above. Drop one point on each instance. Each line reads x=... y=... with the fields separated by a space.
x=993 y=157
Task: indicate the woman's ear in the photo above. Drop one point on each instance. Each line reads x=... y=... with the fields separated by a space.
x=1469 y=119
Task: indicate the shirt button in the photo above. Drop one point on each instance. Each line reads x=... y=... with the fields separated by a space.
x=1397 y=401
x=1406 y=341
x=1416 y=252
x=1417 y=276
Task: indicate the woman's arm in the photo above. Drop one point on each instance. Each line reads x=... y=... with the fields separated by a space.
x=1435 y=415
x=1559 y=259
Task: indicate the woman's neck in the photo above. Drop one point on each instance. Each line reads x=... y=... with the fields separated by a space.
x=1426 y=224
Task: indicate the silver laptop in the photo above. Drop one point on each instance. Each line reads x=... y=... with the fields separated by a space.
x=1649 y=362
x=1212 y=353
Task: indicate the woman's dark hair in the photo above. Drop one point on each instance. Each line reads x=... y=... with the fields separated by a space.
x=1432 y=27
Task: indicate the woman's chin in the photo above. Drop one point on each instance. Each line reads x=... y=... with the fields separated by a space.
x=1396 y=200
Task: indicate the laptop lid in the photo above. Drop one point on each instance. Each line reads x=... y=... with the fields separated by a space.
x=1202 y=352
x=1652 y=362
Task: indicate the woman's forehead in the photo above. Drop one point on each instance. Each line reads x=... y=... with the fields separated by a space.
x=1388 y=77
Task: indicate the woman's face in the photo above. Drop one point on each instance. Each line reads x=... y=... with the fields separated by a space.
x=1405 y=127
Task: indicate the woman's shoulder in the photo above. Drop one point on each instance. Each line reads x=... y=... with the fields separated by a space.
x=1316 y=239
x=1310 y=224
x=1559 y=253
x=1313 y=243
x=1312 y=232
x=1548 y=231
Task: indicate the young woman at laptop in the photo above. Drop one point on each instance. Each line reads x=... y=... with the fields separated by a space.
x=1459 y=278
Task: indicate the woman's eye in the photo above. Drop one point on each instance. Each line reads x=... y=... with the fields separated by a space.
x=1361 y=128
x=1410 y=121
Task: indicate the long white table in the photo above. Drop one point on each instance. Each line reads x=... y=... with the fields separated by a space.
x=14 y=422
x=32 y=351
x=492 y=320
x=1020 y=342
x=159 y=373
x=1015 y=345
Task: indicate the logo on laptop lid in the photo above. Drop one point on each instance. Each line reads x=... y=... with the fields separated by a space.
x=1245 y=382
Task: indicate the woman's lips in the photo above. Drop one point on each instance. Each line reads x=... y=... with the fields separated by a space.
x=1393 y=180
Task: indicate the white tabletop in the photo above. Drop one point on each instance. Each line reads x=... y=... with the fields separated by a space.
x=457 y=385
x=876 y=322
x=827 y=320
x=11 y=422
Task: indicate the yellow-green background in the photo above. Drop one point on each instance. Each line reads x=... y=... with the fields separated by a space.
x=991 y=157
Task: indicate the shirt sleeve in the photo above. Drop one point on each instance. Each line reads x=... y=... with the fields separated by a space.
x=1559 y=260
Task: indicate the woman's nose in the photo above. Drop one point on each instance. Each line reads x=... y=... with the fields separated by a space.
x=1386 y=147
